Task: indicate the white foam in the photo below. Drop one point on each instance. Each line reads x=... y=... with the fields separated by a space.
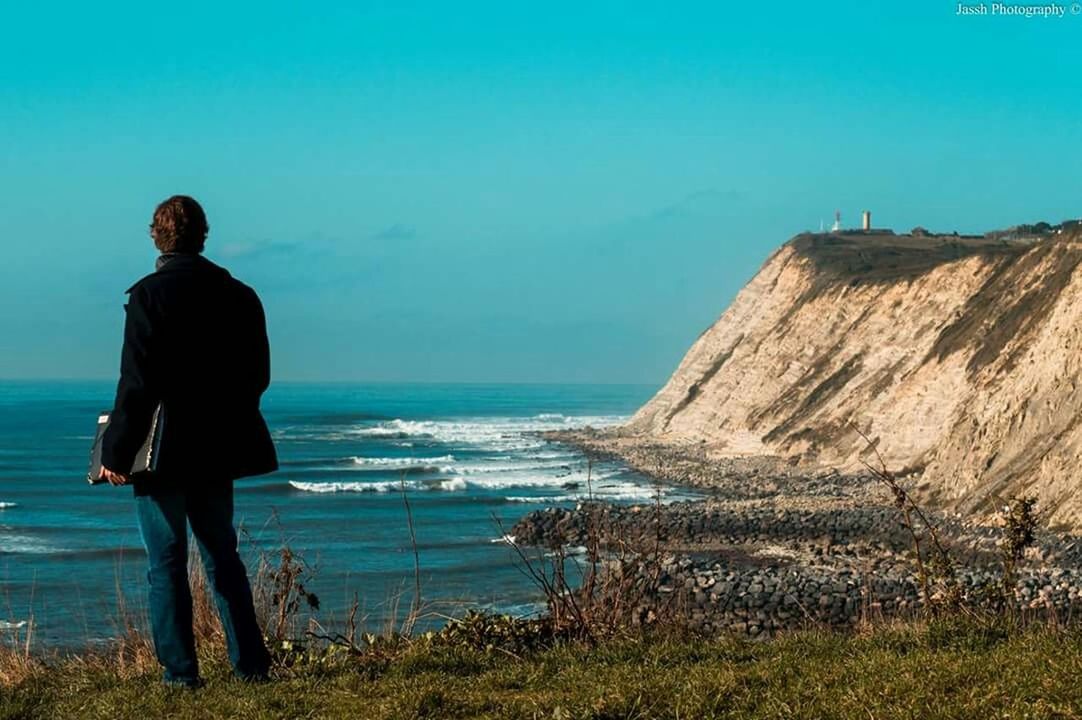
x=526 y=464
x=498 y=433
x=568 y=551
x=504 y=453
x=449 y=485
x=348 y=487
x=402 y=462
x=603 y=484
x=532 y=480
x=6 y=505
x=542 y=498
x=363 y=464
x=615 y=491
x=7 y=625
x=452 y=484
x=394 y=429
x=27 y=545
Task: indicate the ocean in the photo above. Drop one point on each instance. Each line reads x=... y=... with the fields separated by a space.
x=467 y=456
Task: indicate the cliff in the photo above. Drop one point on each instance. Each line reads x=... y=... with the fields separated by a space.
x=960 y=357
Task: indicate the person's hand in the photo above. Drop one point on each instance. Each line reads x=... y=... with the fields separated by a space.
x=113 y=478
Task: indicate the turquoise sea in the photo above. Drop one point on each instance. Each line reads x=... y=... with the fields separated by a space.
x=465 y=454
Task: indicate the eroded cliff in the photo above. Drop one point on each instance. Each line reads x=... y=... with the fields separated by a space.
x=959 y=357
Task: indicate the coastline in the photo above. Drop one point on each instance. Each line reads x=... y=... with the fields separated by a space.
x=770 y=548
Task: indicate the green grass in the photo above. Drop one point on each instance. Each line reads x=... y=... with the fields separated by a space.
x=940 y=670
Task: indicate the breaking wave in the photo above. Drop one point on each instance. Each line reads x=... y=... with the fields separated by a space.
x=498 y=433
x=28 y=545
x=402 y=461
x=492 y=455
x=450 y=485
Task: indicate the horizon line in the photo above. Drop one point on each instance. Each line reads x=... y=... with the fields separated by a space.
x=354 y=382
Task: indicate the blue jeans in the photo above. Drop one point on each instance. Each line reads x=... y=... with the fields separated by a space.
x=163 y=523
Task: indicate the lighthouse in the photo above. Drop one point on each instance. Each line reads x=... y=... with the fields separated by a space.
x=866 y=224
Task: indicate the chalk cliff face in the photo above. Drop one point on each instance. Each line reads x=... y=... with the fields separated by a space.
x=961 y=358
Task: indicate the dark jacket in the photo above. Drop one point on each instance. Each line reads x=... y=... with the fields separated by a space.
x=195 y=340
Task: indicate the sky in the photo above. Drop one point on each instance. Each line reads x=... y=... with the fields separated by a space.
x=500 y=192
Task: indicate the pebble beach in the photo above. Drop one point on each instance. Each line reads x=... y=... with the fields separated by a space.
x=769 y=548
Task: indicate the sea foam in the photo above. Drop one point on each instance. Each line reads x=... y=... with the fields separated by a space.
x=500 y=433
x=28 y=545
x=486 y=454
x=402 y=461
x=449 y=485
x=348 y=487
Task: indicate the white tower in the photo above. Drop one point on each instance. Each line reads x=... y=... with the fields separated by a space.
x=837 y=221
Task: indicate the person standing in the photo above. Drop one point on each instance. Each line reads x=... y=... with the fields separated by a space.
x=195 y=344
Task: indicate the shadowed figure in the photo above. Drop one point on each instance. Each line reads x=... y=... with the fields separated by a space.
x=195 y=343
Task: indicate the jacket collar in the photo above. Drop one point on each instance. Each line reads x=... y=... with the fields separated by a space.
x=180 y=262
x=186 y=262
x=164 y=258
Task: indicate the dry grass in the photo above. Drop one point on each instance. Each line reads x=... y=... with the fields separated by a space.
x=931 y=670
x=17 y=663
x=612 y=588
x=279 y=591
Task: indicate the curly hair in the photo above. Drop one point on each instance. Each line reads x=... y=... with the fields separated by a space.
x=179 y=225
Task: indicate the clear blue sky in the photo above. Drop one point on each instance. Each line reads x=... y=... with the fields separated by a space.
x=500 y=191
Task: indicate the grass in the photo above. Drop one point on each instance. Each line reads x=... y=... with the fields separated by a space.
x=940 y=669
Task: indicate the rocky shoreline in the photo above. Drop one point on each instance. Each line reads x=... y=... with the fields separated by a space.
x=770 y=548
